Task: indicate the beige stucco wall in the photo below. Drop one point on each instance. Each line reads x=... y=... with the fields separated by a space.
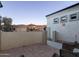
x=16 y=39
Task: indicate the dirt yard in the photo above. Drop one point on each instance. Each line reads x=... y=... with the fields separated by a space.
x=35 y=50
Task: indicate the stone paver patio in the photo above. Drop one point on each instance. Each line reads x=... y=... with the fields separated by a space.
x=35 y=50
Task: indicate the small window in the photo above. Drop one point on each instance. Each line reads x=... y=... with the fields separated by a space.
x=73 y=17
x=63 y=19
x=56 y=20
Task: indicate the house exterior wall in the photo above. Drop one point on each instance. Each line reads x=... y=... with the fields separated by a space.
x=69 y=32
x=20 y=29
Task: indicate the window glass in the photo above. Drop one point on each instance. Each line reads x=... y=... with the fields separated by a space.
x=56 y=20
x=63 y=19
x=73 y=17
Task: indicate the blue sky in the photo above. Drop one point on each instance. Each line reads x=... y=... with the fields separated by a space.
x=26 y=12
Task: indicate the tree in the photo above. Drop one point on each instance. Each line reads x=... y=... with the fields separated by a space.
x=1 y=5
x=0 y=22
x=7 y=24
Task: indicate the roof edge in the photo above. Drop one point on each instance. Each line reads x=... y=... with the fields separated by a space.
x=62 y=9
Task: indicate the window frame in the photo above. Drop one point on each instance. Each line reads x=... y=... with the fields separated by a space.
x=64 y=20
x=71 y=15
x=56 y=20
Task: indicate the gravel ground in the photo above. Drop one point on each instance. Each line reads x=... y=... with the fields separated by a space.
x=35 y=50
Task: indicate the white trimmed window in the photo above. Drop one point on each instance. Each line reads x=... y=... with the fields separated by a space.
x=73 y=17
x=56 y=20
x=64 y=19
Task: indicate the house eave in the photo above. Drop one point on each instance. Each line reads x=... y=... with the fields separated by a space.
x=63 y=9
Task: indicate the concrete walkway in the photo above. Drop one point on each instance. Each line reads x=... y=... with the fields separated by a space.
x=35 y=50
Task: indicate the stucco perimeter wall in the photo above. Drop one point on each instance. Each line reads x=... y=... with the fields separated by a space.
x=17 y=39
